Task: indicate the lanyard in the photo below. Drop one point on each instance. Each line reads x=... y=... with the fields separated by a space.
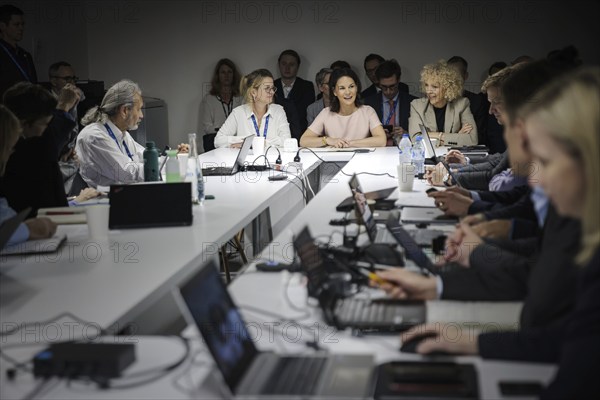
x=227 y=110
x=112 y=135
x=256 y=125
x=25 y=74
x=392 y=111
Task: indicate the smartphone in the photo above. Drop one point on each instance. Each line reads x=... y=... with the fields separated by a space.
x=388 y=128
x=431 y=190
x=280 y=177
x=520 y=388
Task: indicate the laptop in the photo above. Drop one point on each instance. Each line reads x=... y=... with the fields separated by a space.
x=423 y=237
x=430 y=156
x=237 y=166
x=147 y=205
x=411 y=248
x=8 y=227
x=379 y=315
x=248 y=372
x=380 y=197
x=425 y=215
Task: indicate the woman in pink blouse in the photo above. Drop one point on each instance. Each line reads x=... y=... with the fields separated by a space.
x=346 y=122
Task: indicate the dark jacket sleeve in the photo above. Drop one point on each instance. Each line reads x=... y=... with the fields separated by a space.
x=59 y=130
x=479 y=180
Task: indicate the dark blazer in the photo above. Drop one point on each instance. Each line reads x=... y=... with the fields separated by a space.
x=546 y=281
x=376 y=101
x=480 y=179
x=479 y=109
x=572 y=342
x=301 y=96
x=32 y=177
x=10 y=72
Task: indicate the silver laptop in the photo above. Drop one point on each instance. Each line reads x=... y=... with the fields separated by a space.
x=428 y=215
x=237 y=166
x=365 y=216
x=248 y=372
x=429 y=149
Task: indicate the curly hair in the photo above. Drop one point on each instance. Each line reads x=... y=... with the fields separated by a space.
x=449 y=79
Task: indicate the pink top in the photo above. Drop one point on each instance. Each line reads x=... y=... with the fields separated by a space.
x=357 y=125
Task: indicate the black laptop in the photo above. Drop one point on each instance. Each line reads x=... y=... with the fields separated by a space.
x=380 y=315
x=380 y=196
x=237 y=166
x=248 y=372
x=146 y=205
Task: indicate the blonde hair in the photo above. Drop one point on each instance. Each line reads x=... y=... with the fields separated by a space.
x=253 y=80
x=497 y=80
x=449 y=79
x=568 y=108
x=10 y=128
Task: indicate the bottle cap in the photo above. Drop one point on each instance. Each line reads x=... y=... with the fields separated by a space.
x=171 y=153
x=150 y=145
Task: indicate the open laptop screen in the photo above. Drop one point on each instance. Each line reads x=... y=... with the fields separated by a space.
x=220 y=323
x=412 y=249
x=429 y=149
x=311 y=261
x=361 y=208
x=244 y=150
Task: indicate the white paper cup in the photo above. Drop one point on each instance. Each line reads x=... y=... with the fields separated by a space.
x=406 y=177
x=97 y=220
x=183 y=164
x=434 y=142
x=258 y=146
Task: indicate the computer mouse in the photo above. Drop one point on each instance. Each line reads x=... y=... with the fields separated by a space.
x=380 y=253
x=411 y=345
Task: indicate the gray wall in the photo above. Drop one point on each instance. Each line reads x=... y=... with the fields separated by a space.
x=170 y=48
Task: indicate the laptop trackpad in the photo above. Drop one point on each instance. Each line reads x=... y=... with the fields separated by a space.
x=349 y=376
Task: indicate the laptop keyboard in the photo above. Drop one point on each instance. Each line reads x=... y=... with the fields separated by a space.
x=216 y=171
x=296 y=376
x=365 y=311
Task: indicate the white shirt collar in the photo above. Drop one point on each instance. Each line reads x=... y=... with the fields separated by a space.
x=118 y=133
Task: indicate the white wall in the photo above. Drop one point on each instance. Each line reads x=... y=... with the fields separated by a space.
x=170 y=48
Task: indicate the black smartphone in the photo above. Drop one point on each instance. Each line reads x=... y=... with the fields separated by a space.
x=280 y=177
x=520 y=388
x=275 y=266
x=388 y=128
x=431 y=190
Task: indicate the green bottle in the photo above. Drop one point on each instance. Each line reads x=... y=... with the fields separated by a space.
x=150 y=163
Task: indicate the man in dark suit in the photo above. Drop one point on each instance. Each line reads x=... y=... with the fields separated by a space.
x=391 y=104
x=293 y=90
x=16 y=64
x=476 y=100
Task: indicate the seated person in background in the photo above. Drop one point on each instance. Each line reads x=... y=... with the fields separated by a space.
x=33 y=177
x=371 y=63
x=391 y=104
x=477 y=102
x=107 y=153
x=443 y=112
x=293 y=90
x=35 y=228
x=322 y=81
x=258 y=116
x=223 y=97
x=340 y=64
x=346 y=122
x=562 y=125
x=495 y=67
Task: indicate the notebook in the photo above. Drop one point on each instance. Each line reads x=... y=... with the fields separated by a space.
x=41 y=246
x=248 y=372
x=237 y=166
x=380 y=315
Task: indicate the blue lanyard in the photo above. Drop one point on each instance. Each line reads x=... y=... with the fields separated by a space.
x=112 y=135
x=389 y=117
x=256 y=128
x=25 y=74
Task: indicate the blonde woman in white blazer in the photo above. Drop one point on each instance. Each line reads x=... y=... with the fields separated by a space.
x=443 y=111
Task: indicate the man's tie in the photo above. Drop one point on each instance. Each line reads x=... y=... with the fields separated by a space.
x=392 y=112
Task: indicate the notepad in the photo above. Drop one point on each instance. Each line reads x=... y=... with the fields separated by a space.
x=41 y=246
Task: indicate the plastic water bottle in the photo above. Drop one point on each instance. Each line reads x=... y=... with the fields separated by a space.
x=150 y=162
x=172 y=167
x=418 y=155
x=194 y=174
x=404 y=149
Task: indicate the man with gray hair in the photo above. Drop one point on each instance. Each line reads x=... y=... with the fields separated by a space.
x=107 y=152
x=322 y=81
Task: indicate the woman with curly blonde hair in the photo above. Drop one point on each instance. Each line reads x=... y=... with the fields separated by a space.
x=443 y=111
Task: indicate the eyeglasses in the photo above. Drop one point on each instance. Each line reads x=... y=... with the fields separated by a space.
x=72 y=78
x=271 y=89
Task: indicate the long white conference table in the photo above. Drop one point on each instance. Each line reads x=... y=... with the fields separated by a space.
x=109 y=287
